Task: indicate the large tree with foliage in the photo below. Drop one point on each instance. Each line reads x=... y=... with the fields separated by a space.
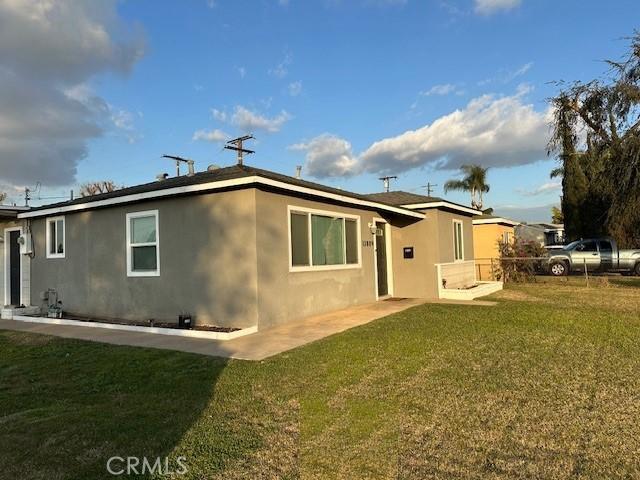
x=596 y=135
x=474 y=181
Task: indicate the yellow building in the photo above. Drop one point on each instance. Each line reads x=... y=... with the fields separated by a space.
x=488 y=230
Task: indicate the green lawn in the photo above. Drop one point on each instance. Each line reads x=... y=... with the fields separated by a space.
x=544 y=385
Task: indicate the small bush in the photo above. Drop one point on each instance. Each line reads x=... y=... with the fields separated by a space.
x=519 y=261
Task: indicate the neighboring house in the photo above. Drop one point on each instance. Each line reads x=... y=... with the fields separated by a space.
x=238 y=247
x=488 y=231
x=550 y=235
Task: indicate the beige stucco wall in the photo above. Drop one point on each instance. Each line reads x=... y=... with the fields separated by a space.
x=286 y=296
x=25 y=261
x=207 y=262
x=485 y=244
x=432 y=239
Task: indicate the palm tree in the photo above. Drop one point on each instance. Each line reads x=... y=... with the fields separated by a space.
x=474 y=182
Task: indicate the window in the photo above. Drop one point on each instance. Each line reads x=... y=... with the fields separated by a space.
x=588 y=246
x=605 y=246
x=55 y=237
x=507 y=237
x=458 y=246
x=143 y=253
x=322 y=240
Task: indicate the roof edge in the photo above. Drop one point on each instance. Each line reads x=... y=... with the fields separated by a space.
x=488 y=221
x=243 y=182
x=442 y=204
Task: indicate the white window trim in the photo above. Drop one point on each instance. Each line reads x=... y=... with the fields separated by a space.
x=64 y=236
x=455 y=244
x=130 y=216
x=317 y=268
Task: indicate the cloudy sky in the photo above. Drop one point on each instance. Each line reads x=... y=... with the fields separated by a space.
x=350 y=89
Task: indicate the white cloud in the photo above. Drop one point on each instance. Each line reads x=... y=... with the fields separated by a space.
x=48 y=51
x=488 y=7
x=249 y=121
x=214 y=135
x=443 y=89
x=124 y=121
x=547 y=187
x=281 y=70
x=242 y=72
x=219 y=115
x=328 y=156
x=491 y=131
x=506 y=76
x=284 y=3
x=295 y=88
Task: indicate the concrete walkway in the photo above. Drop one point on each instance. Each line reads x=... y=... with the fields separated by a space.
x=257 y=346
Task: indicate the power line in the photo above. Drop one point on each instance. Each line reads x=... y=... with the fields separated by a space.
x=430 y=188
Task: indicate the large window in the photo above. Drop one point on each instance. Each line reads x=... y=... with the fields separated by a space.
x=458 y=244
x=322 y=240
x=143 y=252
x=55 y=237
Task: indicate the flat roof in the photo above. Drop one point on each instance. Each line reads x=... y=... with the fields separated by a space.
x=11 y=211
x=236 y=176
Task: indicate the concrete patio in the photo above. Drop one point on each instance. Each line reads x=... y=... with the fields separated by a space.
x=257 y=346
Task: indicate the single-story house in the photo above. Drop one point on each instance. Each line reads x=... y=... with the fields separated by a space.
x=488 y=231
x=235 y=247
x=549 y=235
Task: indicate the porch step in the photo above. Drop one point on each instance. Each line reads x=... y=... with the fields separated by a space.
x=480 y=290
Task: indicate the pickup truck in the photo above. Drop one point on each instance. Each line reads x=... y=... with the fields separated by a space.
x=596 y=254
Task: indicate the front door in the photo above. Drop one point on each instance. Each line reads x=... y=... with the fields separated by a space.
x=381 y=259
x=14 y=268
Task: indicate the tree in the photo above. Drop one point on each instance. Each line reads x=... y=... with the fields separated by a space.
x=596 y=136
x=94 y=188
x=556 y=215
x=3 y=196
x=474 y=182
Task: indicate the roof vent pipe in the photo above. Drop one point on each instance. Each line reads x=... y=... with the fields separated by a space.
x=298 y=172
x=161 y=177
x=190 y=166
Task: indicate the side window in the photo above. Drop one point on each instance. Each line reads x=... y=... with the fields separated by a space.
x=458 y=247
x=605 y=246
x=589 y=246
x=55 y=237
x=143 y=254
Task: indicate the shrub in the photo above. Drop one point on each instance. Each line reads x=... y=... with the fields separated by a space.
x=519 y=260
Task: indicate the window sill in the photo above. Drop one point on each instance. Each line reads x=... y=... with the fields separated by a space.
x=325 y=268
x=57 y=255
x=143 y=274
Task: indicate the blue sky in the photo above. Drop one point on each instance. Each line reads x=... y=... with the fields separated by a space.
x=351 y=89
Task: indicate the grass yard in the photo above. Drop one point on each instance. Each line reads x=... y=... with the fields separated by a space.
x=544 y=385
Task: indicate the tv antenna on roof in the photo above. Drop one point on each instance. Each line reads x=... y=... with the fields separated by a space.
x=236 y=144
x=179 y=160
x=385 y=182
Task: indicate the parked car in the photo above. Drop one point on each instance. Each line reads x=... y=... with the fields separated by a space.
x=596 y=254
